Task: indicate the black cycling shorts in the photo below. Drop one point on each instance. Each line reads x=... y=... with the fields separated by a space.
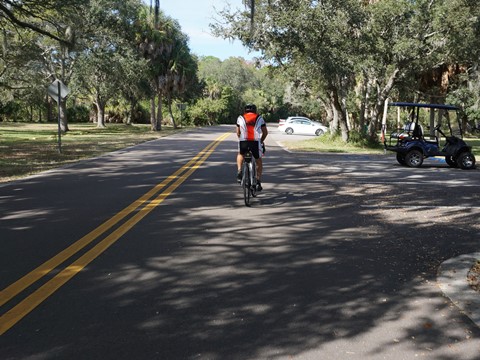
x=252 y=145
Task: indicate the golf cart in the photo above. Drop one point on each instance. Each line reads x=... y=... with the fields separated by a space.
x=413 y=146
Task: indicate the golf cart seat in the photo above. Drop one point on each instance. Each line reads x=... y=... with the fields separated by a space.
x=410 y=131
x=417 y=131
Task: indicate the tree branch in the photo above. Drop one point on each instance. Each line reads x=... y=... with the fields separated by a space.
x=27 y=25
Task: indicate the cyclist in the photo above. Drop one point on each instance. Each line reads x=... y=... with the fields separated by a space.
x=251 y=131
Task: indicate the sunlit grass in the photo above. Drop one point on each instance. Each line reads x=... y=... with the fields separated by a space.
x=475 y=144
x=29 y=148
x=328 y=144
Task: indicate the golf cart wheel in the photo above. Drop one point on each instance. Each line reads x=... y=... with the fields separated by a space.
x=466 y=161
x=289 y=131
x=414 y=158
x=450 y=160
x=319 y=132
x=401 y=158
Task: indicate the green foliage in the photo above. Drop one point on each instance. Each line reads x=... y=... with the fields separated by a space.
x=172 y=69
x=207 y=111
x=10 y=111
x=469 y=101
x=41 y=17
x=140 y=115
x=320 y=59
x=78 y=114
x=349 y=56
x=358 y=139
x=240 y=82
x=209 y=68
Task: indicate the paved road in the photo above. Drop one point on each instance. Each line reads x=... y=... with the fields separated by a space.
x=343 y=264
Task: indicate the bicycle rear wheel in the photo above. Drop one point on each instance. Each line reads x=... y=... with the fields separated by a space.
x=253 y=179
x=246 y=184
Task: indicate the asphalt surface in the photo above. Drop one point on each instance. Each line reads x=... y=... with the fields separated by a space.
x=452 y=273
x=340 y=257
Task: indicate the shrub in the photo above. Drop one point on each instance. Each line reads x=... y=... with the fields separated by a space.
x=78 y=114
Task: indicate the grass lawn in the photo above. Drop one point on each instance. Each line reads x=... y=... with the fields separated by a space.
x=29 y=148
x=325 y=144
x=475 y=144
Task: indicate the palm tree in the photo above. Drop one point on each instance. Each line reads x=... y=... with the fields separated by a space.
x=156 y=11
x=155 y=44
x=178 y=67
x=171 y=66
x=251 y=5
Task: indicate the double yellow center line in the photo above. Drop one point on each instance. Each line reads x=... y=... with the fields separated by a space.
x=25 y=306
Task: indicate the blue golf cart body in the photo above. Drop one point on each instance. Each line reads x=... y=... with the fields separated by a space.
x=412 y=146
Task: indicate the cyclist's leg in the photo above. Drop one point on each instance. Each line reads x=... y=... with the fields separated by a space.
x=256 y=152
x=259 y=162
x=241 y=152
x=239 y=162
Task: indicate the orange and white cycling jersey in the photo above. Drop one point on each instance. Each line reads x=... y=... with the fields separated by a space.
x=250 y=125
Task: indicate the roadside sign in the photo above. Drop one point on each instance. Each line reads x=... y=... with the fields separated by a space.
x=58 y=90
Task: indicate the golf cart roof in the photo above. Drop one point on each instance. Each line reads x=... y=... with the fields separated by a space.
x=430 y=106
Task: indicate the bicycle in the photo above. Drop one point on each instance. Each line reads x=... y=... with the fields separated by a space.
x=249 y=177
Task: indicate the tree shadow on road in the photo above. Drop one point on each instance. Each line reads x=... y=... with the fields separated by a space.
x=328 y=263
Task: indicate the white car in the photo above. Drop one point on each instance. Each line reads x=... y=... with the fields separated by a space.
x=301 y=125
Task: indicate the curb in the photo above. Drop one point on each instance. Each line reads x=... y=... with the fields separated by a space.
x=452 y=280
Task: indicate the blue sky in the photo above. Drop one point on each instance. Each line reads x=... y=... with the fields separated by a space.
x=195 y=16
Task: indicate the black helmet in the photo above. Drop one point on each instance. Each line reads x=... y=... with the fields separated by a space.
x=250 y=108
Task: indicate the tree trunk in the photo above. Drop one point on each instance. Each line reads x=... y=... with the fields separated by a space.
x=130 y=112
x=159 y=112
x=335 y=119
x=153 y=118
x=365 y=94
x=329 y=111
x=345 y=111
x=100 y=113
x=48 y=105
x=171 y=112
x=337 y=108
x=373 y=124
x=377 y=109
x=63 y=116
